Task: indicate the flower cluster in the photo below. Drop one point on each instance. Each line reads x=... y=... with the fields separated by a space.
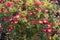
x=21 y=16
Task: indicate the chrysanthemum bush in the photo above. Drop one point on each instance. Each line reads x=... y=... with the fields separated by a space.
x=29 y=19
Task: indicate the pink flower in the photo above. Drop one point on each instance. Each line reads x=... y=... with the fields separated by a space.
x=51 y=30
x=11 y=21
x=33 y=21
x=45 y=21
x=30 y=13
x=17 y=16
x=40 y=22
x=36 y=3
x=9 y=30
x=1 y=1
x=9 y=4
x=34 y=12
x=16 y=21
x=46 y=10
x=49 y=25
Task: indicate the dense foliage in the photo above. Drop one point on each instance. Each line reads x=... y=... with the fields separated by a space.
x=30 y=19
